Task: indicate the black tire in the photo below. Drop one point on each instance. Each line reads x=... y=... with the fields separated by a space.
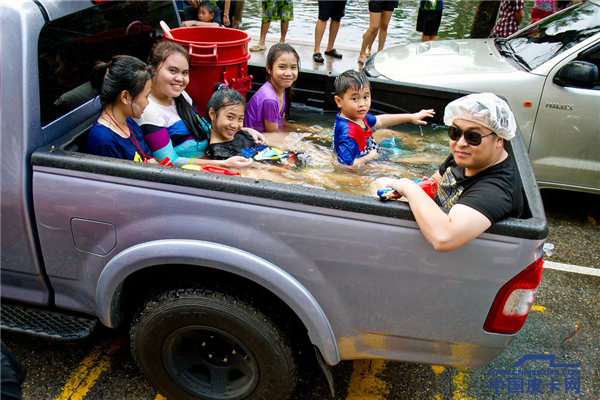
x=198 y=344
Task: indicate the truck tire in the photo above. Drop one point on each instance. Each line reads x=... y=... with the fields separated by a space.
x=199 y=344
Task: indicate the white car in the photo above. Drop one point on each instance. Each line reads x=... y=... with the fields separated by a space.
x=548 y=72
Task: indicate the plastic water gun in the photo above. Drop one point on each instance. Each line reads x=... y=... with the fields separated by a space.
x=166 y=161
x=428 y=185
x=212 y=168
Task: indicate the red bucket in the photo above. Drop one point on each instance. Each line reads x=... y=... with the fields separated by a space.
x=219 y=55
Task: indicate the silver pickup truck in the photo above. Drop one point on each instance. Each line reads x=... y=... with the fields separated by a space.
x=225 y=281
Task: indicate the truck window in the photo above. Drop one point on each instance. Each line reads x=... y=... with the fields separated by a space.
x=593 y=56
x=68 y=48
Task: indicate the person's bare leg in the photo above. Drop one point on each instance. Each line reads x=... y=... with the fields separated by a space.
x=427 y=38
x=284 y=29
x=264 y=28
x=369 y=36
x=319 y=31
x=334 y=27
x=383 y=28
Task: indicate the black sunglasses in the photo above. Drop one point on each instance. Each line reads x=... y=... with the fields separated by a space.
x=473 y=138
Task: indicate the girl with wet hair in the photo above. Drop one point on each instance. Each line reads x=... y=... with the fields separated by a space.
x=123 y=86
x=226 y=110
x=268 y=109
x=171 y=124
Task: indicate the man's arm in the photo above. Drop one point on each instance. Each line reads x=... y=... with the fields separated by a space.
x=519 y=16
x=384 y=120
x=445 y=232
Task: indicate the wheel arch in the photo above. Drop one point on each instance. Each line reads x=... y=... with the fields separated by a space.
x=202 y=254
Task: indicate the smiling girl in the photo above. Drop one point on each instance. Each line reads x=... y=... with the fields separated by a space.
x=123 y=85
x=266 y=111
x=171 y=124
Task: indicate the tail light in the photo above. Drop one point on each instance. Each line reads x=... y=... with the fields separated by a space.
x=514 y=300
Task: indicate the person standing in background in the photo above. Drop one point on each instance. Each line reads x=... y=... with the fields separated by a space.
x=335 y=11
x=274 y=10
x=541 y=9
x=509 y=17
x=380 y=13
x=238 y=11
x=429 y=19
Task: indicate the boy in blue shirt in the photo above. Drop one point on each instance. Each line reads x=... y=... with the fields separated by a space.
x=353 y=140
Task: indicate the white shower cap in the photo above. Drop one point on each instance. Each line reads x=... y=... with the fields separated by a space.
x=486 y=109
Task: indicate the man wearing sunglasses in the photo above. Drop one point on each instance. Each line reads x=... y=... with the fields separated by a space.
x=479 y=183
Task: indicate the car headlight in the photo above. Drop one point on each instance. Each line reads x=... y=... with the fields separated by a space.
x=369 y=67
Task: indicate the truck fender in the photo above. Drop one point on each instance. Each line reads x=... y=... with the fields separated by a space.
x=217 y=256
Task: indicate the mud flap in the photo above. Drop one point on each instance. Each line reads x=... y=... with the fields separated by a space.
x=326 y=370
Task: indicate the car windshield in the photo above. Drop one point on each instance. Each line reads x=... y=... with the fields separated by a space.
x=550 y=37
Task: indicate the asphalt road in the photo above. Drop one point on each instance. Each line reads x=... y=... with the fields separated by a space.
x=563 y=323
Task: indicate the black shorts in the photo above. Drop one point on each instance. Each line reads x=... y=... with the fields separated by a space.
x=331 y=9
x=428 y=22
x=379 y=6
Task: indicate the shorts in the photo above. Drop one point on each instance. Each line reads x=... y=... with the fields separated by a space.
x=331 y=9
x=275 y=10
x=379 y=6
x=428 y=22
x=238 y=9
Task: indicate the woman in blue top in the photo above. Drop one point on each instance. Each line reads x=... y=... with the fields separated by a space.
x=123 y=85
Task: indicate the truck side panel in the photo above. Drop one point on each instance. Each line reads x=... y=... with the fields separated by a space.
x=380 y=284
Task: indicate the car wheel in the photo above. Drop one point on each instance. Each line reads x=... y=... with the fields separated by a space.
x=199 y=344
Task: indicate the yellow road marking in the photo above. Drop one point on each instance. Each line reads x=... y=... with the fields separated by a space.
x=159 y=397
x=461 y=385
x=364 y=383
x=84 y=378
x=538 y=308
x=438 y=369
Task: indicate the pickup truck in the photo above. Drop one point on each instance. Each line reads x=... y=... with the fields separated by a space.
x=224 y=281
x=548 y=72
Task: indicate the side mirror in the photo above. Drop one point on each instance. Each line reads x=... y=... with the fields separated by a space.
x=579 y=74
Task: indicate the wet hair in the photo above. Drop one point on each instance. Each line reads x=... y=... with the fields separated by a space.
x=158 y=54
x=208 y=6
x=274 y=52
x=350 y=79
x=121 y=73
x=222 y=97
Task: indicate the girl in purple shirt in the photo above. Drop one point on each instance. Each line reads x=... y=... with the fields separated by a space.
x=267 y=109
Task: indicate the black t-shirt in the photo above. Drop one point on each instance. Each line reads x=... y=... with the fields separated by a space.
x=496 y=192
x=224 y=150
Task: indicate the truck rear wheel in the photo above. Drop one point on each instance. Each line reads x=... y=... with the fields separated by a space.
x=198 y=344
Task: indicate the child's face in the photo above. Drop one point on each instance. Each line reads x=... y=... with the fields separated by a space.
x=355 y=103
x=226 y=123
x=204 y=15
x=284 y=71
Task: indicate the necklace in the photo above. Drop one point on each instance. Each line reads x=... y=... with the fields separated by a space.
x=130 y=136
